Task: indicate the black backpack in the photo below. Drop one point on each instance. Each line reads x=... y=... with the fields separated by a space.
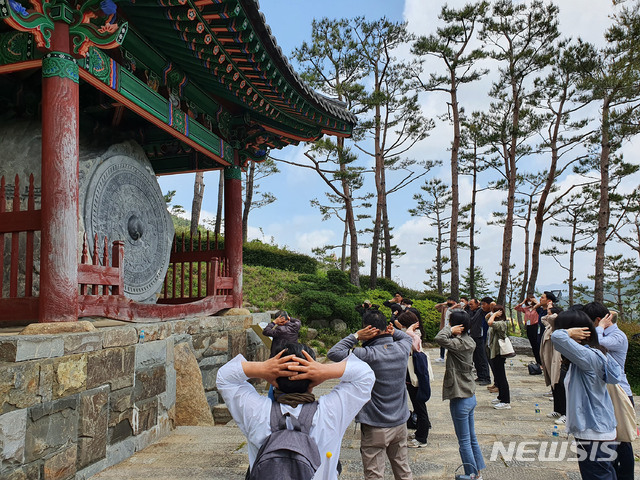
x=287 y=454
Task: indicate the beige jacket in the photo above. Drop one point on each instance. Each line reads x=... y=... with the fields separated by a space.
x=551 y=359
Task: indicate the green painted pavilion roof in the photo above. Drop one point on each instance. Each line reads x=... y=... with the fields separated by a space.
x=226 y=49
x=207 y=76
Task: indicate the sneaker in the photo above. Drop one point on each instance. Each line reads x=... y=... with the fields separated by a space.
x=554 y=415
x=484 y=382
x=550 y=399
x=495 y=401
x=548 y=394
x=561 y=421
x=440 y=360
x=411 y=436
x=416 y=444
x=502 y=406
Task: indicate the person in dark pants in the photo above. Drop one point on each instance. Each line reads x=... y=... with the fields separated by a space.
x=531 y=320
x=479 y=354
x=590 y=416
x=547 y=299
x=617 y=344
x=422 y=389
x=498 y=327
x=553 y=368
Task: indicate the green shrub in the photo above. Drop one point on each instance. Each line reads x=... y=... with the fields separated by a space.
x=258 y=253
x=391 y=287
x=434 y=297
x=632 y=367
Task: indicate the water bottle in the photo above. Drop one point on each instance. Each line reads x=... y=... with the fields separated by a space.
x=555 y=432
x=537 y=412
x=141 y=339
x=511 y=364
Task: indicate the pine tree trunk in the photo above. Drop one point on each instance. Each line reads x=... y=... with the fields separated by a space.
x=511 y=175
x=248 y=199
x=472 y=223
x=523 y=290
x=455 y=201
x=196 y=204
x=343 y=250
x=375 y=243
x=386 y=230
x=603 y=211
x=542 y=204
x=439 y=259
x=572 y=254
x=220 y=204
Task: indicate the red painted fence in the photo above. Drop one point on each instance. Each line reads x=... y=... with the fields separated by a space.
x=17 y=302
x=197 y=281
x=196 y=271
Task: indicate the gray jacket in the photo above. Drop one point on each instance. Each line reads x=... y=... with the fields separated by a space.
x=282 y=334
x=388 y=358
x=458 y=378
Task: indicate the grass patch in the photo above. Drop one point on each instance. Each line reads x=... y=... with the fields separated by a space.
x=267 y=288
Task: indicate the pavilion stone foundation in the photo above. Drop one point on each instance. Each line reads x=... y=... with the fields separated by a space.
x=74 y=404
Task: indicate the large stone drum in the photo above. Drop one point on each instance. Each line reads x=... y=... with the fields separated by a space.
x=119 y=198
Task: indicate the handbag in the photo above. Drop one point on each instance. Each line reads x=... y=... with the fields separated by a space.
x=464 y=476
x=627 y=429
x=506 y=349
x=534 y=369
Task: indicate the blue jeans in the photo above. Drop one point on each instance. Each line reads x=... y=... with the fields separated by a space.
x=462 y=415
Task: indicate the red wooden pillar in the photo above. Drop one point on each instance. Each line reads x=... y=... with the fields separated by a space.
x=59 y=242
x=233 y=226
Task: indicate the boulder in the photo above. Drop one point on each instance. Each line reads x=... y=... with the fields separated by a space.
x=192 y=407
x=311 y=333
x=57 y=327
x=521 y=346
x=338 y=325
x=318 y=324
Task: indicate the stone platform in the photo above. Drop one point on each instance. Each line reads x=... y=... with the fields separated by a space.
x=198 y=453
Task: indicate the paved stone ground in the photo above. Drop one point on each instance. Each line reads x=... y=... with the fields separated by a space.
x=220 y=452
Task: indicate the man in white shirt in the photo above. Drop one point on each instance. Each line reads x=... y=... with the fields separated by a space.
x=336 y=410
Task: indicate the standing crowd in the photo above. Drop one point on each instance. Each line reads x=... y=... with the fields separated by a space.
x=581 y=353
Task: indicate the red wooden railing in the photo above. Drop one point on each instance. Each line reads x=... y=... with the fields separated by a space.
x=196 y=271
x=98 y=273
x=18 y=303
x=198 y=280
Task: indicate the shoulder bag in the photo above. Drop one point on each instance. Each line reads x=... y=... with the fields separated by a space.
x=627 y=429
x=506 y=349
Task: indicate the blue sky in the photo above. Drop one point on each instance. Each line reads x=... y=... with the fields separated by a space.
x=291 y=221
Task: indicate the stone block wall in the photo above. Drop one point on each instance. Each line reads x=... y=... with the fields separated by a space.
x=74 y=404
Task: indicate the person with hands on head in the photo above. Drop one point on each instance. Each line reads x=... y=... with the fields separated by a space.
x=498 y=327
x=541 y=308
x=590 y=416
x=459 y=388
x=294 y=373
x=418 y=379
x=283 y=330
x=531 y=318
x=617 y=344
x=384 y=418
x=395 y=304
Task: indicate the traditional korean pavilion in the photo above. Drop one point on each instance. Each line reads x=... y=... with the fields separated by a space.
x=200 y=85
